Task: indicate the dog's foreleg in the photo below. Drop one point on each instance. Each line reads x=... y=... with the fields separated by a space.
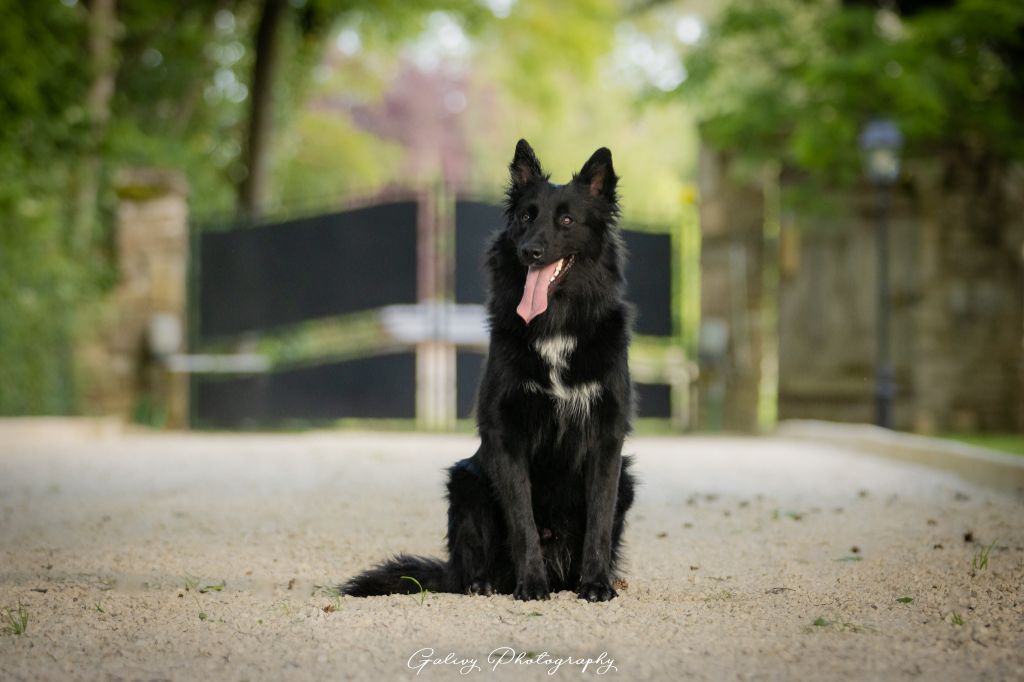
x=509 y=474
x=601 y=469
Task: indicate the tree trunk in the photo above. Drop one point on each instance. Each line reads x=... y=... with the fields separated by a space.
x=252 y=190
x=102 y=23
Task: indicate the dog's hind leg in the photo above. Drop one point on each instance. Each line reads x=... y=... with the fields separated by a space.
x=627 y=484
x=475 y=532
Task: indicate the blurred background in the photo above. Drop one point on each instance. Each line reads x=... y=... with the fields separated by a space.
x=269 y=214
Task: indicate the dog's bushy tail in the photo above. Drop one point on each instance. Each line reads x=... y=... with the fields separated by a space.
x=389 y=577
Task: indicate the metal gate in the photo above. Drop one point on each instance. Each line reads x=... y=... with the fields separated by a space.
x=376 y=313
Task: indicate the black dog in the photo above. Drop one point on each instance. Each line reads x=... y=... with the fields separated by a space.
x=540 y=507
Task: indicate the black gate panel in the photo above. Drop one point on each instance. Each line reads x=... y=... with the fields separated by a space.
x=475 y=222
x=649 y=280
x=262 y=277
x=382 y=386
x=653 y=400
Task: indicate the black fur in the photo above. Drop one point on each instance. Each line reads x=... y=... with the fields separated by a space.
x=541 y=505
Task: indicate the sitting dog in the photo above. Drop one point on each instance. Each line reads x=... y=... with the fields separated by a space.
x=541 y=505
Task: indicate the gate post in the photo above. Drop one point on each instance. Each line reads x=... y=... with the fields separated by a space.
x=435 y=356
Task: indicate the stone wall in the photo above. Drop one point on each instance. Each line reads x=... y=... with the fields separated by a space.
x=828 y=305
x=970 y=259
x=956 y=231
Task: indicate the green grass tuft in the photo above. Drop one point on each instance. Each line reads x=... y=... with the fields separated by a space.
x=16 y=620
x=423 y=591
x=980 y=562
x=1012 y=443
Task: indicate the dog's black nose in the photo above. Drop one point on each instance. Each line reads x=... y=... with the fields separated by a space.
x=531 y=253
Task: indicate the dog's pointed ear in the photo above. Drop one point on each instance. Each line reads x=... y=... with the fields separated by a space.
x=598 y=175
x=525 y=167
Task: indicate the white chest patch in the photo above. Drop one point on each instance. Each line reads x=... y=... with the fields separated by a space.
x=556 y=350
x=571 y=401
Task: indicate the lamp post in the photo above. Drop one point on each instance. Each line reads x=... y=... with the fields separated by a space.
x=880 y=143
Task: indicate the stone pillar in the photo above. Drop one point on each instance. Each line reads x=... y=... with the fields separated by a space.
x=146 y=316
x=731 y=340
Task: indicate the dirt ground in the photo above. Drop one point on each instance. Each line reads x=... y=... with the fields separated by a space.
x=185 y=557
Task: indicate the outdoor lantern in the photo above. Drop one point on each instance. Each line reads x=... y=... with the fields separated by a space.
x=881 y=142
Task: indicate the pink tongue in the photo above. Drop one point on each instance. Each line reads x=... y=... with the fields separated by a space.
x=535 y=294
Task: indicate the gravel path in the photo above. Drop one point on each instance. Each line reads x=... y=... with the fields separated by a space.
x=747 y=559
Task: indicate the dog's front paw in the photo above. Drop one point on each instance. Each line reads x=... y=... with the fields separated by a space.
x=597 y=590
x=532 y=587
x=481 y=587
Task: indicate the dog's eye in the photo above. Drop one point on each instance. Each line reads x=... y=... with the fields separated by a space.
x=526 y=217
x=566 y=220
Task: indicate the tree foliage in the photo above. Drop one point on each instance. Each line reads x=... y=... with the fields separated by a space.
x=41 y=107
x=182 y=82
x=796 y=80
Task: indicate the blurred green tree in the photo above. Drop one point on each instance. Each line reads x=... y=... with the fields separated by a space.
x=91 y=85
x=42 y=107
x=310 y=22
x=796 y=80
